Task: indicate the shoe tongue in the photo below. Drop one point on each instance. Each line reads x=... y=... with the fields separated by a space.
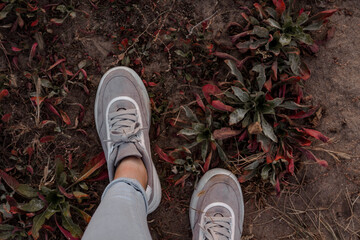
x=124 y=150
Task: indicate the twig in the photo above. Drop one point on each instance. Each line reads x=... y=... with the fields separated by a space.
x=198 y=24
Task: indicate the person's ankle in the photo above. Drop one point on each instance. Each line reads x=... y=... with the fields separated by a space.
x=134 y=168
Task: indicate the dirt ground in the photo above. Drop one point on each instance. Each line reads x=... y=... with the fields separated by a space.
x=317 y=204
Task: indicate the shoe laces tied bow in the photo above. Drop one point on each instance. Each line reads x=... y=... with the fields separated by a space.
x=124 y=126
x=217 y=228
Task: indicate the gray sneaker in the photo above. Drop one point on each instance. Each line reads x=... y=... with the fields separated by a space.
x=217 y=207
x=122 y=117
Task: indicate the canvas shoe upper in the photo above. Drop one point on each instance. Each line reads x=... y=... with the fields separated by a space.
x=217 y=207
x=122 y=117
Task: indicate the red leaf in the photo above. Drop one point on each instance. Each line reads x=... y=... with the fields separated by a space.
x=274 y=68
x=33 y=50
x=302 y=114
x=93 y=165
x=243 y=136
x=125 y=42
x=225 y=133
x=37 y=100
x=66 y=233
x=314 y=134
x=10 y=181
x=268 y=158
x=46 y=139
x=34 y=23
x=200 y=102
x=57 y=63
x=210 y=89
x=30 y=169
x=82 y=112
x=291 y=166
x=65 y=117
x=323 y=15
x=280 y=6
x=182 y=180
x=93 y=162
x=152 y=84
x=311 y=156
x=52 y=109
x=69 y=73
x=260 y=9
x=63 y=191
x=221 y=106
x=4 y=93
x=277 y=186
x=207 y=162
x=29 y=151
x=84 y=73
x=6 y=117
x=102 y=176
x=15 y=49
x=305 y=71
x=268 y=85
x=163 y=155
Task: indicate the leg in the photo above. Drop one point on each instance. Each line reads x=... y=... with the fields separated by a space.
x=122 y=117
x=123 y=207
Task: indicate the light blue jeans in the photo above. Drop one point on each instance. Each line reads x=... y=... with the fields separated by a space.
x=121 y=214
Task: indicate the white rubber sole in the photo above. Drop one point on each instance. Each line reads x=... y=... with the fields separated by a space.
x=204 y=179
x=157 y=187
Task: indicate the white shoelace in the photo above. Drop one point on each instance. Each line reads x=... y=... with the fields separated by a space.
x=124 y=126
x=217 y=228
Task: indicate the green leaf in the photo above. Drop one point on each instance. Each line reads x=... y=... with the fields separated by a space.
x=69 y=225
x=221 y=153
x=261 y=79
x=246 y=121
x=6 y=235
x=242 y=95
x=190 y=114
x=294 y=106
x=295 y=62
x=257 y=44
x=188 y=132
x=261 y=32
x=253 y=165
x=204 y=150
x=268 y=130
x=302 y=18
x=285 y=39
x=237 y=115
x=62 y=8
x=273 y=178
x=180 y=161
x=6 y=227
x=253 y=20
x=235 y=71
x=265 y=172
x=276 y=102
x=39 y=221
x=57 y=20
x=314 y=26
x=199 y=127
x=305 y=38
x=181 y=53
x=231 y=96
x=33 y=206
x=26 y=191
x=271 y=22
x=5 y=11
